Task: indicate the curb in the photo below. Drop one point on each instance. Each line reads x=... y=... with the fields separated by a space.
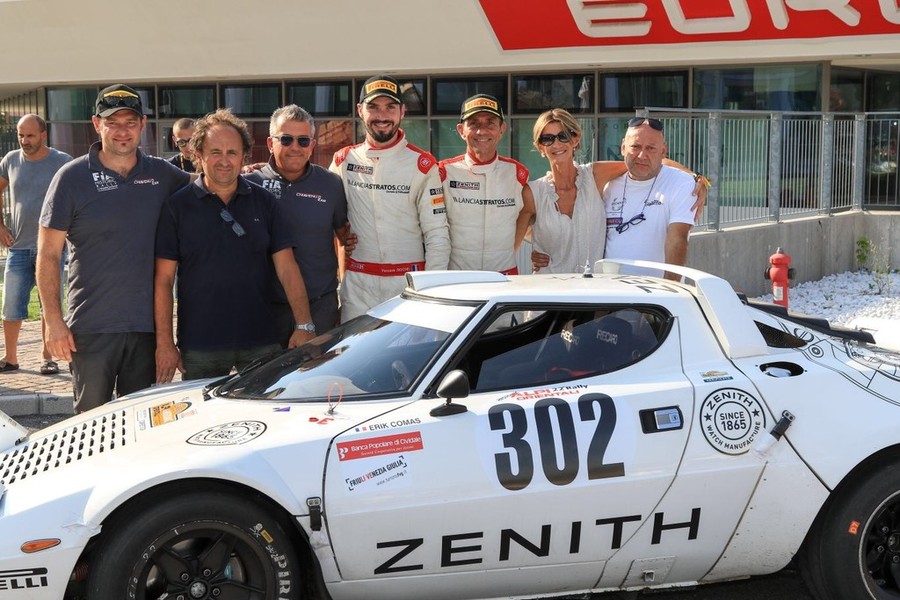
x=37 y=404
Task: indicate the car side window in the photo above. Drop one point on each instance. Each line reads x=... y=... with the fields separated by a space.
x=522 y=348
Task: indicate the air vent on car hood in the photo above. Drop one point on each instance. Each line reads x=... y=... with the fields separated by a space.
x=78 y=442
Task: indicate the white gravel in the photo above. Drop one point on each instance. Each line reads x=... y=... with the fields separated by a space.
x=851 y=299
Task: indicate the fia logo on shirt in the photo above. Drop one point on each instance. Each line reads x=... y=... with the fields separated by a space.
x=273 y=185
x=104 y=182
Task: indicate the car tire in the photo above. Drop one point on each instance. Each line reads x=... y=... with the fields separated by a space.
x=853 y=550
x=196 y=545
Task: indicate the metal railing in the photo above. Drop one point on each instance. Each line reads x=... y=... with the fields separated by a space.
x=771 y=166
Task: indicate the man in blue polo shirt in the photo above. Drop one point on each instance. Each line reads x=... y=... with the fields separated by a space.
x=105 y=205
x=228 y=242
x=312 y=201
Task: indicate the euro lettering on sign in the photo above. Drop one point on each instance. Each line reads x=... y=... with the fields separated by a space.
x=573 y=23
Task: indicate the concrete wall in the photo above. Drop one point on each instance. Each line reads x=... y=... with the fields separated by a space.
x=818 y=246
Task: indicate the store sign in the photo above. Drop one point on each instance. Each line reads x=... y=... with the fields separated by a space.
x=530 y=24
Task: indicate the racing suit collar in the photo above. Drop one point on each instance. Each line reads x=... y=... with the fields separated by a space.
x=399 y=144
x=480 y=167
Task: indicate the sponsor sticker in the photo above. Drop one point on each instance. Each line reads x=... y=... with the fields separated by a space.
x=228 y=434
x=389 y=425
x=23 y=579
x=378 y=446
x=383 y=473
x=161 y=414
x=731 y=420
x=711 y=376
x=563 y=390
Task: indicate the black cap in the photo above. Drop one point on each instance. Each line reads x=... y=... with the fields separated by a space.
x=480 y=103
x=380 y=85
x=117 y=97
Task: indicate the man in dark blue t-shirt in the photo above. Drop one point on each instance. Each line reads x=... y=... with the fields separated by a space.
x=313 y=203
x=228 y=242
x=105 y=205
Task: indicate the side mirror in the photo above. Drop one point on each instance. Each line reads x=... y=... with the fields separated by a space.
x=454 y=385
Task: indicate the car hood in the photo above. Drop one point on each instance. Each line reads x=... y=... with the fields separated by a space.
x=171 y=433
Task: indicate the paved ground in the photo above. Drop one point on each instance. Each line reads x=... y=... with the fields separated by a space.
x=26 y=391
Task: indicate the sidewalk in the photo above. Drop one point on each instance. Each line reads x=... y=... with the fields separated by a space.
x=26 y=391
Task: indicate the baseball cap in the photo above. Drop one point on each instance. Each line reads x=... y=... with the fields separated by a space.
x=380 y=85
x=116 y=97
x=480 y=103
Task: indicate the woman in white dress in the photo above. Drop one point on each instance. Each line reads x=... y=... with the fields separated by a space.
x=565 y=209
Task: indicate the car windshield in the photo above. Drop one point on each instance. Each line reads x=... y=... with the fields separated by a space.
x=381 y=354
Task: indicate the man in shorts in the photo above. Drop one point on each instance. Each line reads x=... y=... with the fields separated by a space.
x=27 y=173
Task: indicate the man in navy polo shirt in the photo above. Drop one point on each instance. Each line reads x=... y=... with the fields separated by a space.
x=105 y=204
x=228 y=241
x=312 y=201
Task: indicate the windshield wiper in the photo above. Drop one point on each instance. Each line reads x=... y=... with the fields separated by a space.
x=217 y=383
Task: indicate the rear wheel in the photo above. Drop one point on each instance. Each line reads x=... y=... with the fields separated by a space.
x=198 y=546
x=854 y=549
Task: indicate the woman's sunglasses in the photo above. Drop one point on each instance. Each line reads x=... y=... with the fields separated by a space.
x=547 y=139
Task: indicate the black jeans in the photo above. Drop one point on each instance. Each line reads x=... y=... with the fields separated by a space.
x=107 y=362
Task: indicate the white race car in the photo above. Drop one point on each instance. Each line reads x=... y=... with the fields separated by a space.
x=481 y=436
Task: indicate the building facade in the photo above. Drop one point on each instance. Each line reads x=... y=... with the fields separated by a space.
x=600 y=59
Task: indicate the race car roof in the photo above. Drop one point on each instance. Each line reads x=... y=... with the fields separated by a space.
x=723 y=308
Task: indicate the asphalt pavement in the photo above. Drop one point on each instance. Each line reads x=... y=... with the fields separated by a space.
x=26 y=391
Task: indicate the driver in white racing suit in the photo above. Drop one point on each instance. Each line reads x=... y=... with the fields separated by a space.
x=395 y=203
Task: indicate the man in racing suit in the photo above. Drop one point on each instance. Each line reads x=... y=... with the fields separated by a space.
x=483 y=192
x=395 y=203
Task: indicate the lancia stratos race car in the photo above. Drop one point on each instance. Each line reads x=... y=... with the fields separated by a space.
x=482 y=436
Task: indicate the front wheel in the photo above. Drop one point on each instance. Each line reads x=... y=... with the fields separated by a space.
x=196 y=546
x=853 y=551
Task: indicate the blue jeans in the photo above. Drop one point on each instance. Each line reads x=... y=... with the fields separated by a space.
x=19 y=280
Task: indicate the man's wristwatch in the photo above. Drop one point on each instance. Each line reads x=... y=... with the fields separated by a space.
x=309 y=327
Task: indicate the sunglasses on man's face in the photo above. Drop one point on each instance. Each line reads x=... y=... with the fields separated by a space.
x=117 y=101
x=638 y=121
x=547 y=139
x=286 y=140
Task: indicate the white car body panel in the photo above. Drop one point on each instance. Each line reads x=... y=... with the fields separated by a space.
x=533 y=489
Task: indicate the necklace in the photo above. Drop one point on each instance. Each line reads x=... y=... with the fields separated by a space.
x=639 y=217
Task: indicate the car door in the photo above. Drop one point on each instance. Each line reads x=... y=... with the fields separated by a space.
x=571 y=436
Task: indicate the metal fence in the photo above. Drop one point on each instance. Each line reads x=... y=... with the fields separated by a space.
x=771 y=166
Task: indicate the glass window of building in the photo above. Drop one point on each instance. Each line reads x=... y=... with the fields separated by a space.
x=445 y=140
x=73 y=138
x=193 y=102
x=448 y=94
x=331 y=136
x=846 y=91
x=623 y=92
x=771 y=87
x=249 y=101
x=884 y=92
x=323 y=99
x=71 y=104
x=537 y=93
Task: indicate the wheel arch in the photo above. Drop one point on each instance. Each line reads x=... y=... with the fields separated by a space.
x=314 y=584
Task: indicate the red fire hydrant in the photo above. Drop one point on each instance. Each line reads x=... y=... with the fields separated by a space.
x=780 y=271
